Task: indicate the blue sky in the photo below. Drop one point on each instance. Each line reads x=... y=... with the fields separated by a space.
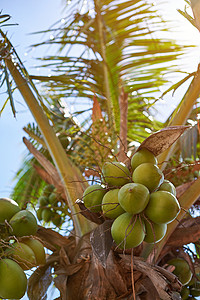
x=31 y=16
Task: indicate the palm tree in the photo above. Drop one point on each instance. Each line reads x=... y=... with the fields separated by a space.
x=120 y=69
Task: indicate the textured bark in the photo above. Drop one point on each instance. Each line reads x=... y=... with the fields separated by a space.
x=93 y=282
x=82 y=277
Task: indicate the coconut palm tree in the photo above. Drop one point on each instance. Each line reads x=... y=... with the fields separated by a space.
x=120 y=69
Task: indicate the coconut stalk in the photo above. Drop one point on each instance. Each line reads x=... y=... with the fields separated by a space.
x=67 y=171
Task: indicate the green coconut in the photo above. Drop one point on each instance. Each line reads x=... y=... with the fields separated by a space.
x=53 y=198
x=149 y=175
x=133 y=197
x=47 y=214
x=185 y=292
x=154 y=232
x=128 y=231
x=43 y=201
x=8 y=208
x=38 y=249
x=115 y=173
x=192 y=282
x=182 y=270
x=167 y=186
x=57 y=219
x=163 y=207
x=110 y=204
x=93 y=196
x=142 y=156
x=13 y=281
x=22 y=254
x=23 y=223
x=195 y=292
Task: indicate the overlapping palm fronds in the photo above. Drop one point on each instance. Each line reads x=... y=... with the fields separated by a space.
x=102 y=48
x=29 y=185
x=108 y=46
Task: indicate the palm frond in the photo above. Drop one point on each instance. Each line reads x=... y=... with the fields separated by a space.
x=4 y=18
x=29 y=185
x=118 y=44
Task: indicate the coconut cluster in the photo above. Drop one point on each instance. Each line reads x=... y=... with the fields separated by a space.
x=182 y=269
x=50 y=206
x=19 y=250
x=191 y=289
x=190 y=282
x=140 y=201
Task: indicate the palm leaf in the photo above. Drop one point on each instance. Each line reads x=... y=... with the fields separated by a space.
x=133 y=54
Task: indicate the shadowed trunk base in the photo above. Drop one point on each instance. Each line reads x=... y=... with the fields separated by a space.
x=123 y=277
